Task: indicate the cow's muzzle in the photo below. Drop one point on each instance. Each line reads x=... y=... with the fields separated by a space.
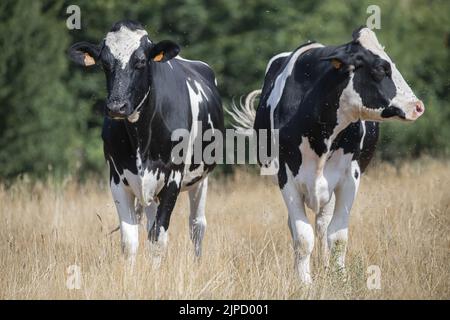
x=118 y=110
x=409 y=111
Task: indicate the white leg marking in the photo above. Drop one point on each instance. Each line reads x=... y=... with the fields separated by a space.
x=129 y=223
x=158 y=249
x=197 y=218
x=338 y=229
x=301 y=230
x=323 y=219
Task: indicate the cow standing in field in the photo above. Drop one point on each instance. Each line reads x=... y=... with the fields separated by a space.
x=152 y=93
x=325 y=102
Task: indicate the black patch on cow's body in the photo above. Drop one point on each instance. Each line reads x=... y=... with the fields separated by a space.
x=369 y=144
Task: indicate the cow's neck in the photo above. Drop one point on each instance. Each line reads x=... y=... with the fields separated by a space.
x=325 y=117
x=322 y=118
x=140 y=132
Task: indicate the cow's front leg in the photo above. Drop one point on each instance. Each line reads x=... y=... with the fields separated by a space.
x=301 y=231
x=338 y=229
x=323 y=219
x=197 y=218
x=129 y=224
x=158 y=233
x=150 y=212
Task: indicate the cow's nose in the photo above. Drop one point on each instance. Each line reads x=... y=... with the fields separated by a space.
x=420 y=107
x=117 y=109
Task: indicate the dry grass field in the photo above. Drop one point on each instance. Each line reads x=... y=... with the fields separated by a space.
x=400 y=222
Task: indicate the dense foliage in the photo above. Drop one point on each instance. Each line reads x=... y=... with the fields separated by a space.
x=50 y=118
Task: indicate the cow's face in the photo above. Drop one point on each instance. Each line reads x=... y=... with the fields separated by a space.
x=376 y=90
x=126 y=55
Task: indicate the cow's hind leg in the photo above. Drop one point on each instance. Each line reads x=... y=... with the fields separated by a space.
x=301 y=231
x=129 y=224
x=323 y=219
x=197 y=218
x=338 y=228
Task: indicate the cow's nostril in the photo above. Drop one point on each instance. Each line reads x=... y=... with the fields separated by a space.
x=123 y=108
x=420 y=108
x=118 y=109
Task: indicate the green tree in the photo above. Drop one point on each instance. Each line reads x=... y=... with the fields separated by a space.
x=36 y=130
x=51 y=109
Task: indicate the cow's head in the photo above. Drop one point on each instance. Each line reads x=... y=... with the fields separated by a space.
x=126 y=55
x=376 y=90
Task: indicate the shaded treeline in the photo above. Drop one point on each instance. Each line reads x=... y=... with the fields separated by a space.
x=51 y=110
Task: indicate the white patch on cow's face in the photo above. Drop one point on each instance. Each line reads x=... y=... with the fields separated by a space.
x=123 y=43
x=280 y=81
x=351 y=108
x=404 y=99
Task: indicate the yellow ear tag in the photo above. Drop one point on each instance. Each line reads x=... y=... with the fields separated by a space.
x=336 y=63
x=88 y=60
x=159 y=57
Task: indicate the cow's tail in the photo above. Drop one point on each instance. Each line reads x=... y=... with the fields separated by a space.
x=244 y=114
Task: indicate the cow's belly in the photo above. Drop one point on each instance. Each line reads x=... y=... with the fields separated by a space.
x=317 y=186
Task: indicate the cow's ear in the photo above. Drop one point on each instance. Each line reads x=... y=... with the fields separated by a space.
x=340 y=60
x=84 y=53
x=164 y=51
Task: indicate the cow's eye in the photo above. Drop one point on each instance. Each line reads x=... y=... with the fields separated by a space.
x=379 y=72
x=381 y=69
x=388 y=70
x=140 y=64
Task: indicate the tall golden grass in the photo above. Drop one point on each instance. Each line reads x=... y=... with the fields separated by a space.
x=400 y=222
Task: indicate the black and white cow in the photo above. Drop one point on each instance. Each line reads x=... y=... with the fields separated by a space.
x=326 y=102
x=151 y=93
